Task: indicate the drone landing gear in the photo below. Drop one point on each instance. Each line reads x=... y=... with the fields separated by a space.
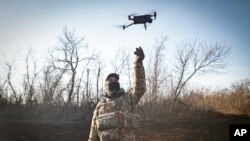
x=145 y=26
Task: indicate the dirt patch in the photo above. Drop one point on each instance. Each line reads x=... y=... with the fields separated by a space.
x=40 y=130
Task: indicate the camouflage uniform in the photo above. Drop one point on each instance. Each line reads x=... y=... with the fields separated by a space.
x=114 y=118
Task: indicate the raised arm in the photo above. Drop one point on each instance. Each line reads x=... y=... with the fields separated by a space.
x=139 y=84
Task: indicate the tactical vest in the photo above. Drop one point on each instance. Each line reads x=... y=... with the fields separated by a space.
x=116 y=114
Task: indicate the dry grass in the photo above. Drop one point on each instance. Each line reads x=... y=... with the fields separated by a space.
x=200 y=115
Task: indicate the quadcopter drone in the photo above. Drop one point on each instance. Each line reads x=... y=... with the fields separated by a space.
x=140 y=19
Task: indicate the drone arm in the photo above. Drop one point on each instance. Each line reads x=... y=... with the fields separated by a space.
x=128 y=25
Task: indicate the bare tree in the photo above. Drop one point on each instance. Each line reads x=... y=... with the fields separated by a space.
x=121 y=63
x=97 y=80
x=3 y=93
x=17 y=98
x=69 y=57
x=87 y=85
x=30 y=78
x=98 y=68
x=3 y=88
x=197 y=57
x=49 y=85
x=156 y=75
x=80 y=83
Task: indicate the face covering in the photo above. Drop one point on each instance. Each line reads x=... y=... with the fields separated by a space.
x=112 y=89
x=114 y=86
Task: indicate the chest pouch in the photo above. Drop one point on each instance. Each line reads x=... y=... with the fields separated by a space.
x=117 y=119
x=109 y=121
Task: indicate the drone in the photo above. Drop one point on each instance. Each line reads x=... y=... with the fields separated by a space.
x=140 y=19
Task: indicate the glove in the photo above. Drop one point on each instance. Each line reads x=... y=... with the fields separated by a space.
x=139 y=55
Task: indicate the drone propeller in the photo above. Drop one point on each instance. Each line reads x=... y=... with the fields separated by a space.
x=120 y=26
x=134 y=13
x=130 y=17
x=155 y=15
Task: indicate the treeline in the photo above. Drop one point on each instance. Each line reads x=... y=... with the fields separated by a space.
x=70 y=84
x=201 y=103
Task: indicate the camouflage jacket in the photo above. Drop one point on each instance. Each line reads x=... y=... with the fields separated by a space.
x=114 y=118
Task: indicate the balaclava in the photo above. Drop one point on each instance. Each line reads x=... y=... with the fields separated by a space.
x=113 y=89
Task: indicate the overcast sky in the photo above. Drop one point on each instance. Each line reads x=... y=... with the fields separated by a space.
x=37 y=25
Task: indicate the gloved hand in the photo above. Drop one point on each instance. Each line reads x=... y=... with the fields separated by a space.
x=139 y=55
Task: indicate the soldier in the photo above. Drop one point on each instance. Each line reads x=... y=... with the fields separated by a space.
x=114 y=118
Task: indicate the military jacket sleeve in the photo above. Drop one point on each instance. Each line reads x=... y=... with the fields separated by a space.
x=139 y=84
x=93 y=136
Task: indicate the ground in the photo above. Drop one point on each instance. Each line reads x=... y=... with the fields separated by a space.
x=51 y=130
